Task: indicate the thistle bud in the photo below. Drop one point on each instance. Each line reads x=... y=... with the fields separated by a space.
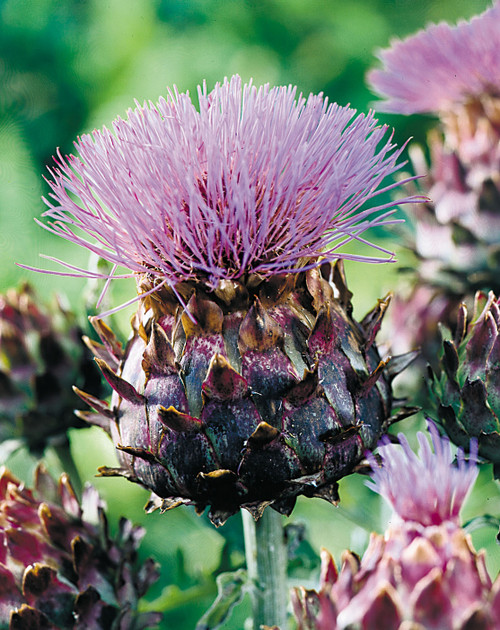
x=465 y=387
x=42 y=356
x=60 y=568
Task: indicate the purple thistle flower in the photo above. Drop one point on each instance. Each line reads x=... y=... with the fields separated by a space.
x=454 y=72
x=424 y=571
x=424 y=488
x=259 y=180
x=262 y=387
x=441 y=66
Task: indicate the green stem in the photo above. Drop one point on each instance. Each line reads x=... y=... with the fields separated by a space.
x=266 y=557
x=63 y=452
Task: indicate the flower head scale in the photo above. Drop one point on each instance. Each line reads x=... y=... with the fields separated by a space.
x=441 y=66
x=257 y=181
x=424 y=488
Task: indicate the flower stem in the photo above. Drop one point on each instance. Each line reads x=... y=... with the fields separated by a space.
x=266 y=557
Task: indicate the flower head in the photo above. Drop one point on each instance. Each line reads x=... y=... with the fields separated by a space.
x=441 y=66
x=424 y=488
x=41 y=356
x=257 y=181
x=424 y=571
x=59 y=567
x=262 y=386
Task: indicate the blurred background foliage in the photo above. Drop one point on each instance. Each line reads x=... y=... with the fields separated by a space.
x=69 y=66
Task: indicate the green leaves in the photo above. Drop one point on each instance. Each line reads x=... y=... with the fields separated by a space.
x=231 y=587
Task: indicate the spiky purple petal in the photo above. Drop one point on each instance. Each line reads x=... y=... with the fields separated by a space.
x=425 y=488
x=440 y=66
x=259 y=180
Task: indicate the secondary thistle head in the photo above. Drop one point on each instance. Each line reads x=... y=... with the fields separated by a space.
x=59 y=567
x=257 y=182
x=41 y=356
x=424 y=572
x=465 y=386
x=247 y=381
x=441 y=67
x=426 y=488
x=453 y=72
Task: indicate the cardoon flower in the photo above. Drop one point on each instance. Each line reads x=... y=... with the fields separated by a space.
x=465 y=387
x=415 y=312
x=453 y=72
x=456 y=236
x=60 y=569
x=246 y=380
x=41 y=356
x=441 y=67
x=424 y=572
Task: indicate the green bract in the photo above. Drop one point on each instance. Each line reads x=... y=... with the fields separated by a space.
x=465 y=388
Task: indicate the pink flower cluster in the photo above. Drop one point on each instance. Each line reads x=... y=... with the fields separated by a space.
x=424 y=488
x=440 y=66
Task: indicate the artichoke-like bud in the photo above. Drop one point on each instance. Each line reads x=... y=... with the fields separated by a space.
x=273 y=391
x=466 y=386
x=424 y=573
x=41 y=356
x=60 y=569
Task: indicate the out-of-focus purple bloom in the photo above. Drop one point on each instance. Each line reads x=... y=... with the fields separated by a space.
x=452 y=71
x=441 y=66
x=414 y=316
x=424 y=488
x=258 y=180
x=424 y=572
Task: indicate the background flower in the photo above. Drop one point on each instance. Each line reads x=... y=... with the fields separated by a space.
x=441 y=66
x=455 y=236
x=464 y=386
x=42 y=355
x=60 y=568
x=423 y=570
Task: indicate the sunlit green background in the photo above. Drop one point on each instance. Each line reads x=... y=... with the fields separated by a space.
x=69 y=66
